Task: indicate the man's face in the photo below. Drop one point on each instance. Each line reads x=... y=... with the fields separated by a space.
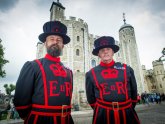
x=106 y=54
x=54 y=45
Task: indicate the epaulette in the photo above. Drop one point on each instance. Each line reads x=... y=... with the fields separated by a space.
x=119 y=65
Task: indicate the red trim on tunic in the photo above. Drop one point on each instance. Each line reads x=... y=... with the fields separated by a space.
x=107 y=65
x=63 y=120
x=49 y=114
x=50 y=107
x=55 y=59
x=35 y=119
x=55 y=120
x=116 y=116
x=97 y=83
x=124 y=116
x=44 y=81
x=26 y=120
x=110 y=103
x=111 y=106
x=125 y=80
x=23 y=107
x=95 y=116
x=92 y=104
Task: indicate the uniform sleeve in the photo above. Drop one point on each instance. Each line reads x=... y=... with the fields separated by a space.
x=24 y=90
x=90 y=90
x=133 y=87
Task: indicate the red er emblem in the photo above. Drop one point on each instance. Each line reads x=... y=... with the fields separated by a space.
x=109 y=73
x=58 y=70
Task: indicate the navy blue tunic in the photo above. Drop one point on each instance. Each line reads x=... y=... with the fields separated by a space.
x=112 y=92
x=44 y=91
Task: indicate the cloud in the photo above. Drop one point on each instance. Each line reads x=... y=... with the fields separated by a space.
x=6 y=5
x=21 y=26
x=156 y=7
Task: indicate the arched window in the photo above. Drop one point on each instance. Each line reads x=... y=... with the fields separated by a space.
x=78 y=38
x=93 y=63
x=77 y=52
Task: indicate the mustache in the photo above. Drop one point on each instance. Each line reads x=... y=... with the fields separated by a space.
x=53 y=45
x=54 y=50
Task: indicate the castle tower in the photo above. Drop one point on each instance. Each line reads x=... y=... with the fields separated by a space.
x=129 y=51
x=75 y=54
x=159 y=74
x=57 y=11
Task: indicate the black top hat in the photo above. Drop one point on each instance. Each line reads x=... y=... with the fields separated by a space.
x=54 y=28
x=104 y=42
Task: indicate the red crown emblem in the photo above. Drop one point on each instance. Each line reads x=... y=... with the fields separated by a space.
x=58 y=70
x=109 y=73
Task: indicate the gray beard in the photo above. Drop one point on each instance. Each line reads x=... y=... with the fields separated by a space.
x=54 y=51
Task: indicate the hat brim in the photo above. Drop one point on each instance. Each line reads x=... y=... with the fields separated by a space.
x=42 y=37
x=115 y=48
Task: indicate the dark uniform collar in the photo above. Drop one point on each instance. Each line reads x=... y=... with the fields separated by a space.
x=107 y=65
x=51 y=58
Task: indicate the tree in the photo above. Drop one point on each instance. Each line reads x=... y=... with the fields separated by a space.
x=9 y=88
x=2 y=61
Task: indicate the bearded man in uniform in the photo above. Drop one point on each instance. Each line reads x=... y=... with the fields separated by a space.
x=44 y=87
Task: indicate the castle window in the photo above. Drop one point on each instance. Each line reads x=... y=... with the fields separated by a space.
x=78 y=70
x=78 y=38
x=124 y=36
x=93 y=63
x=77 y=52
x=160 y=86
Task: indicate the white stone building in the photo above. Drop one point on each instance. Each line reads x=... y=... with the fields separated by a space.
x=77 y=55
x=154 y=79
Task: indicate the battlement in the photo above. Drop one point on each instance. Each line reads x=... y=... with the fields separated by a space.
x=157 y=63
x=72 y=18
x=149 y=72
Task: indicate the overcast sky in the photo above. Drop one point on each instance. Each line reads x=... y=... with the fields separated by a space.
x=21 y=22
